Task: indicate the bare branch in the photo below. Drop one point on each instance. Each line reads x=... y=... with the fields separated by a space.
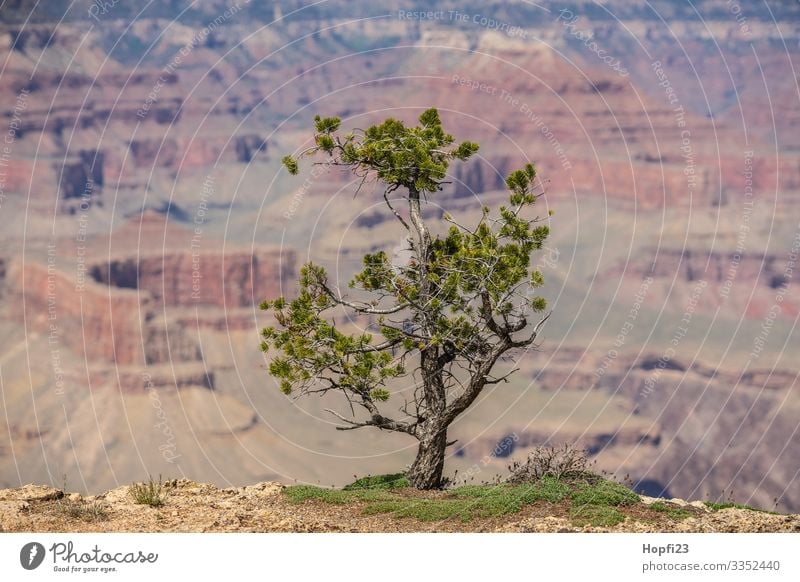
x=386 y=193
x=377 y=421
x=345 y=419
x=531 y=338
x=503 y=378
x=360 y=308
x=448 y=218
x=376 y=348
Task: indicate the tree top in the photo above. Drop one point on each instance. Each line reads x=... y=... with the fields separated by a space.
x=416 y=157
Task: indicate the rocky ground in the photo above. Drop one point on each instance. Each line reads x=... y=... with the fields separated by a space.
x=188 y=506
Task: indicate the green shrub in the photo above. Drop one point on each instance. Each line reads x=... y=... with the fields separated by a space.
x=149 y=493
x=393 y=481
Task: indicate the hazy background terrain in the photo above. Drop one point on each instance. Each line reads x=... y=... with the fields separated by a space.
x=145 y=215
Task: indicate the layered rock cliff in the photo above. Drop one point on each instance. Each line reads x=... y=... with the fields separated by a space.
x=654 y=166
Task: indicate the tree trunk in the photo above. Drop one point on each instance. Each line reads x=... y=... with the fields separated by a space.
x=426 y=471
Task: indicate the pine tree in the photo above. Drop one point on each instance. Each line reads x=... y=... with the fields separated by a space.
x=462 y=301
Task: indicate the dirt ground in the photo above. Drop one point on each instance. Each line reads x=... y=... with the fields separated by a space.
x=196 y=507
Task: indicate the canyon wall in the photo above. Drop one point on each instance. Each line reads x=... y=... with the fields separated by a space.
x=113 y=121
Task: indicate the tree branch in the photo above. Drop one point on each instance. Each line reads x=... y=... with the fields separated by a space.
x=361 y=309
x=377 y=421
x=386 y=193
x=531 y=338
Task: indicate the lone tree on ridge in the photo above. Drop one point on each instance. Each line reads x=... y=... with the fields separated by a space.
x=461 y=300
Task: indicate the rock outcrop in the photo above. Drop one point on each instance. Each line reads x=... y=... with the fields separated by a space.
x=185 y=279
x=120 y=310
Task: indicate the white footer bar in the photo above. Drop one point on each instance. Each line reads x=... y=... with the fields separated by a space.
x=399 y=557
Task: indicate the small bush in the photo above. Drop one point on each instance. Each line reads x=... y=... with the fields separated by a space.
x=394 y=481
x=84 y=511
x=562 y=463
x=149 y=493
x=79 y=509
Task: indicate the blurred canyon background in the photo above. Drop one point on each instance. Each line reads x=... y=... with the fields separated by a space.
x=145 y=214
